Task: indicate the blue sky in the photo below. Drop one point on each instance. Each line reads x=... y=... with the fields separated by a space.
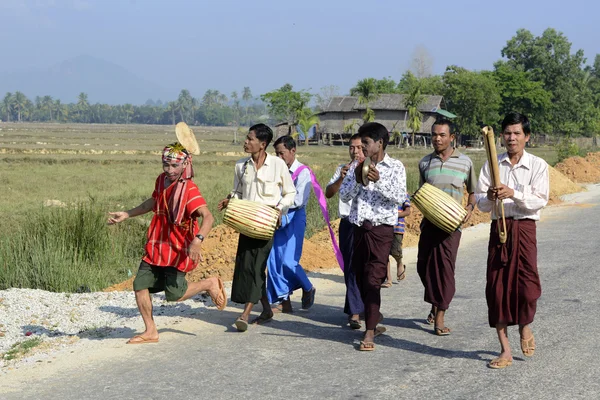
x=226 y=45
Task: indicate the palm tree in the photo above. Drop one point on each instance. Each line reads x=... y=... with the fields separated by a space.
x=82 y=105
x=20 y=102
x=246 y=96
x=184 y=102
x=412 y=102
x=47 y=104
x=61 y=110
x=236 y=111
x=366 y=90
x=7 y=105
x=172 y=107
x=306 y=120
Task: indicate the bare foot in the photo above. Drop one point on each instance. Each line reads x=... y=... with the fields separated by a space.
x=217 y=292
x=369 y=335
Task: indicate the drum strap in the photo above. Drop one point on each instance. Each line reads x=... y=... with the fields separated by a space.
x=323 y=205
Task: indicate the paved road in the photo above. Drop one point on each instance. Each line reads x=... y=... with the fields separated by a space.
x=312 y=355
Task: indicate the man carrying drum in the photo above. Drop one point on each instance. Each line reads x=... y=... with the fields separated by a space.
x=284 y=272
x=353 y=305
x=449 y=170
x=513 y=284
x=374 y=213
x=264 y=179
x=174 y=240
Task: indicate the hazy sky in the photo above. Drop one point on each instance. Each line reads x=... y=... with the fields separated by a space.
x=227 y=45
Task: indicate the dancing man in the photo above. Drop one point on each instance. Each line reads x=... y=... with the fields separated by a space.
x=174 y=240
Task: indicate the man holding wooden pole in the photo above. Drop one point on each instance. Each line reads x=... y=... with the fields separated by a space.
x=513 y=284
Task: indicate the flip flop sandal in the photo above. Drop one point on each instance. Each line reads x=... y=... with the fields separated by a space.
x=528 y=346
x=366 y=346
x=261 y=320
x=354 y=324
x=308 y=299
x=431 y=319
x=139 y=339
x=499 y=363
x=445 y=331
x=241 y=324
x=380 y=330
x=402 y=275
x=386 y=284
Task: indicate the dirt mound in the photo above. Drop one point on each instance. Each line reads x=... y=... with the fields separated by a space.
x=581 y=170
x=219 y=250
x=560 y=185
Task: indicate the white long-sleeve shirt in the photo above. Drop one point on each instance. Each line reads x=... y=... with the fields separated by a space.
x=378 y=201
x=271 y=185
x=303 y=185
x=528 y=178
x=343 y=206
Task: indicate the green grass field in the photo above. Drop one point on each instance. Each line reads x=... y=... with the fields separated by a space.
x=94 y=169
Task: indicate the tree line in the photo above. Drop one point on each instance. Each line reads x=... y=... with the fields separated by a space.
x=538 y=75
x=214 y=109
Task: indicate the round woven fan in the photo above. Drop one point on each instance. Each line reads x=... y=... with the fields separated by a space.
x=186 y=137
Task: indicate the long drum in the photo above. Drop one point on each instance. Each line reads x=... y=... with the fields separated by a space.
x=439 y=207
x=250 y=218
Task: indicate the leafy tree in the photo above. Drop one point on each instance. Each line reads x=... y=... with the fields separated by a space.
x=548 y=59
x=285 y=104
x=519 y=92
x=430 y=85
x=473 y=96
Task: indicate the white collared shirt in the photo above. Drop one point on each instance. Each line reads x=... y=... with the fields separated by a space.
x=302 y=184
x=529 y=180
x=378 y=201
x=271 y=185
x=343 y=206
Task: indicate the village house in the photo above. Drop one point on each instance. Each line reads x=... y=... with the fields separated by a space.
x=390 y=111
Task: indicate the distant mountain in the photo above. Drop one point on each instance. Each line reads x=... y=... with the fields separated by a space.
x=103 y=81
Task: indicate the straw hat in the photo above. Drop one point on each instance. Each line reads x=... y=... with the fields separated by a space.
x=186 y=137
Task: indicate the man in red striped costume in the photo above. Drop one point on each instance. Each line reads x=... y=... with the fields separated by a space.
x=174 y=240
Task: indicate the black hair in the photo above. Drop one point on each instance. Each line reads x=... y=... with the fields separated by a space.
x=514 y=118
x=287 y=141
x=354 y=137
x=444 y=121
x=375 y=131
x=263 y=133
